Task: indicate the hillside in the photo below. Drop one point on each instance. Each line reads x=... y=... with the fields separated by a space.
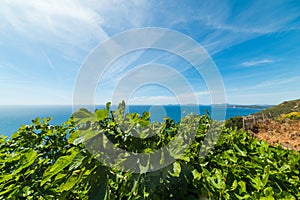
x=285 y=133
x=283 y=108
x=277 y=125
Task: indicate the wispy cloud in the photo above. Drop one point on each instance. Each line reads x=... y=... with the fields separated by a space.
x=12 y=71
x=270 y=97
x=47 y=94
x=6 y=66
x=71 y=22
x=82 y=25
x=183 y=98
x=49 y=61
x=55 y=23
x=225 y=27
x=69 y=29
x=257 y=62
x=277 y=82
x=269 y=84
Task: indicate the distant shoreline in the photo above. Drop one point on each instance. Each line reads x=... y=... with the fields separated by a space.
x=215 y=105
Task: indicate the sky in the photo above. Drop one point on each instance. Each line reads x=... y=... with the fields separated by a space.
x=254 y=45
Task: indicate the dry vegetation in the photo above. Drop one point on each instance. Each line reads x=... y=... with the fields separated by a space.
x=277 y=125
x=283 y=132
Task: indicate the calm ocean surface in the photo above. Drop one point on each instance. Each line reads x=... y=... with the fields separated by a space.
x=11 y=117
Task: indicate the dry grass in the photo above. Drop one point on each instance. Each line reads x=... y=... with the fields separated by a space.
x=283 y=132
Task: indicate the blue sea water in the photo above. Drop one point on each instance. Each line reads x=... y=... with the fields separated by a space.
x=11 y=117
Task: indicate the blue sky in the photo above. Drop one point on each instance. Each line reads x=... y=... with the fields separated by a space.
x=254 y=44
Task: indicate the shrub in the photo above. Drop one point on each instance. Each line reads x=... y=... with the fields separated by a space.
x=42 y=161
x=234 y=122
x=292 y=116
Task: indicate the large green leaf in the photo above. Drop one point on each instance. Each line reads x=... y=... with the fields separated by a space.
x=28 y=158
x=71 y=181
x=59 y=165
x=5 y=177
x=101 y=114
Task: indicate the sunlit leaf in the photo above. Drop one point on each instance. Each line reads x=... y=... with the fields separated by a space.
x=59 y=165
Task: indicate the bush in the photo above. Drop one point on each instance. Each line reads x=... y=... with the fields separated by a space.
x=234 y=122
x=291 y=116
x=42 y=161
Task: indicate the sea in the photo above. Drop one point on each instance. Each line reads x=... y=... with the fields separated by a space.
x=11 y=117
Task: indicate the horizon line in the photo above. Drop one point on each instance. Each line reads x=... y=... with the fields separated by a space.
x=230 y=104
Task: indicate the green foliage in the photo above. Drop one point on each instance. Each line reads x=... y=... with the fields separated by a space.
x=234 y=122
x=283 y=108
x=42 y=161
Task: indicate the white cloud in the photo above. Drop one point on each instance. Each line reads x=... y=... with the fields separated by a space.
x=269 y=84
x=183 y=98
x=153 y=100
x=82 y=22
x=120 y=15
x=6 y=65
x=257 y=62
x=55 y=23
x=74 y=27
x=277 y=81
x=72 y=22
x=223 y=27
x=28 y=92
